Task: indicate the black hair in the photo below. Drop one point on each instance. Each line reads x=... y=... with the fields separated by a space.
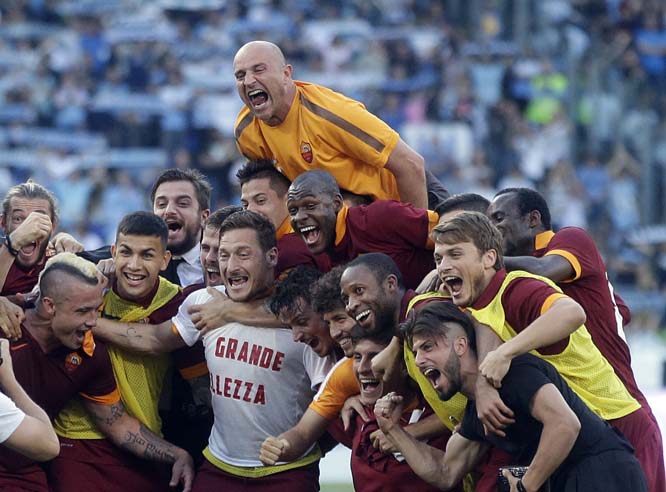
x=326 y=291
x=318 y=181
x=143 y=224
x=468 y=202
x=201 y=185
x=30 y=190
x=382 y=337
x=528 y=200
x=296 y=285
x=431 y=321
x=214 y=220
x=245 y=219
x=381 y=265
x=264 y=168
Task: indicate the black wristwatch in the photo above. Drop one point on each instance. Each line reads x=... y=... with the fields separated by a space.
x=8 y=244
x=520 y=486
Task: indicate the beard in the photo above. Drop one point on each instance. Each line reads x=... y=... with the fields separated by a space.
x=191 y=239
x=452 y=373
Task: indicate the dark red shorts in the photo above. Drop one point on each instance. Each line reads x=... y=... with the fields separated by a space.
x=209 y=478
x=85 y=465
x=641 y=430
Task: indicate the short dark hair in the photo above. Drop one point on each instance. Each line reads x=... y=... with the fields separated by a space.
x=380 y=264
x=528 y=200
x=143 y=224
x=382 y=337
x=471 y=227
x=468 y=202
x=431 y=319
x=246 y=219
x=296 y=285
x=326 y=291
x=214 y=220
x=199 y=181
x=264 y=168
x=32 y=191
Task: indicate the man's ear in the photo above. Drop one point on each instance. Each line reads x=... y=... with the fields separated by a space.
x=391 y=283
x=48 y=305
x=204 y=216
x=534 y=219
x=165 y=260
x=272 y=257
x=460 y=345
x=488 y=259
x=3 y=222
x=338 y=202
x=113 y=251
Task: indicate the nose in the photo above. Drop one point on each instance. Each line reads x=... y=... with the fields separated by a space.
x=91 y=322
x=133 y=262
x=248 y=79
x=170 y=208
x=443 y=266
x=365 y=367
x=419 y=359
x=299 y=215
x=211 y=256
x=296 y=334
x=351 y=306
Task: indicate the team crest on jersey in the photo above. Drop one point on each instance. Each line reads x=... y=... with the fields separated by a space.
x=306 y=152
x=73 y=361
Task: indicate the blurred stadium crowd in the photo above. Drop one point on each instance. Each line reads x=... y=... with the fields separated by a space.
x=563 y=95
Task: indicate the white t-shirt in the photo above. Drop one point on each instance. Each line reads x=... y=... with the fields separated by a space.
x=10 y=417
x=261 y=383
x=183 y=321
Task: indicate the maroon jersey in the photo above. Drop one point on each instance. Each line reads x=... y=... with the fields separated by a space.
x=52 y=379
x=374 y=471
x=606 y=311
x=523 y=301
x=293 y=252
x=386 y=226
x=20 y=281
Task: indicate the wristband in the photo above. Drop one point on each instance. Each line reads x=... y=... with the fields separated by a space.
x=520 y=486
x=8 y=243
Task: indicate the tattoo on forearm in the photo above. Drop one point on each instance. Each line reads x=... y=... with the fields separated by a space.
x=111 y=415
x=148 y=445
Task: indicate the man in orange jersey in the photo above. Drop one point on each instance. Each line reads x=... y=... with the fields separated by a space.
x=326 y=131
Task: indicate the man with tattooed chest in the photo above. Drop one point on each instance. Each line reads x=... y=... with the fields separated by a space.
x=56 y=359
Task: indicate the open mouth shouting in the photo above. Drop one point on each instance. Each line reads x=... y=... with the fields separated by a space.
x=454 y=285
x=258 y=98
x=175 y=228
x=371 y=389
x=213 y=274
x=432 y=375
x=310 y=234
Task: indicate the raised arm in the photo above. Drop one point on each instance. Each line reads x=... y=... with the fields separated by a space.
x=562 y=318
x=560 y=431
x=221 y=310
x=129 y=434
x=291 y=445
x=440 y=469
x=408 y=167
x=139 y=337
x=554 y=267
x=34 y=437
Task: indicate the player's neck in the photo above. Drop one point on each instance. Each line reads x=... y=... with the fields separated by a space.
x=39 y=326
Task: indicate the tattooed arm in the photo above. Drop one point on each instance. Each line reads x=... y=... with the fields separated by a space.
x=131 y=435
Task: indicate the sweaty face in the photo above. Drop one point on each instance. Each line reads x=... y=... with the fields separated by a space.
x=517 y=236
x=176 y=202
x=340 y=325
x=313 y=216
x=210 y=245
x=372 y=387
x=439 y=364
x=263 y=82
x=247 y=271
x=308 y=327
x=75 y=313
x=258 y=196
x=138 y=261
x=367 y=301
x=462 y=270
x=19 y=210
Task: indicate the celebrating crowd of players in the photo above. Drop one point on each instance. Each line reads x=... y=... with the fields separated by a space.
x=347 y=301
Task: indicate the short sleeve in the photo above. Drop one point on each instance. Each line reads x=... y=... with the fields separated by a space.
x=340 y=384
x=402 y=222
x=10 y=417
x=101 y=386
x=524 y=301
x=316 y=367
x=182 y=322
x=578 y=248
